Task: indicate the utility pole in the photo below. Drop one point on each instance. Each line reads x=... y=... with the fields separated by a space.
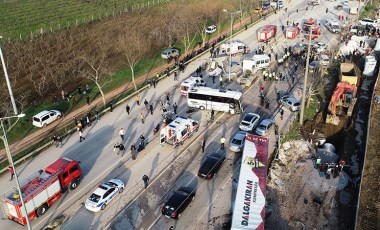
x=232 y=23
x=305 y=80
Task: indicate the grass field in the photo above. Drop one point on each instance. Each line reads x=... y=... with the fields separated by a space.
x=21 y=18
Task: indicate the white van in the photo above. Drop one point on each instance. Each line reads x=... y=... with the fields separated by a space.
x=234 y=47
x=192 y=81
x=368 y=21
x=42 y=119
x=255 y=63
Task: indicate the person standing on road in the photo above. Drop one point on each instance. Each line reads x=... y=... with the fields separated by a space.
x=133 y=151
x=222 y=140
x=97 y=115
x=88 y=117
x=142 y=138
x=175 y=107
x=213 y=79
x=142 y=117
x=220 y=80
x=212 y=114
x=137 y=99
x=203 y=145
x=151 y=109
x=145 y=178
x=122 y=133
x=128 y=109
x=81 y=136
x=267 y=104
x=12 y=172
x=318 y=162
x=168 y=99
x=59 y=140
x=281 y=113
x=146 y=103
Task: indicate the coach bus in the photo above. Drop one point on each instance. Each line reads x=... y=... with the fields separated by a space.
x=224 y=100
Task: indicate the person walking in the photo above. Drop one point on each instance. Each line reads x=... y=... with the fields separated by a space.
x=142 y=117
x=12 y=172
x=111 y=107
x=151 y=109
x=137 y=99
x=203 y=145
x=213 y=79
x=222 y=140
x=59 y=141
x=145 y=178
x=116 y=148
x=267 y=104
x=154 y=81
x=168 y=99
x=175 y=76
x=175 y=107
x=220 y=80
x=128 y=109
x=97 y=115
x=88 y=117
x=81 y=136
x=142 y=138
x=88 y=100
x=281 y=113
x=122 y=133
x=212 y=114
x=146 y=103
x=133 y=151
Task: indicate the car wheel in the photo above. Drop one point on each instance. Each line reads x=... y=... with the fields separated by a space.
x=202 y=108
x=121 y=190
x=74 y=184
x=103 y=207
x=42 y=209
x=179 y=216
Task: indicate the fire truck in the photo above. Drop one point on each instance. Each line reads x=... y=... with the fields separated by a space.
x=292 y=32
x=42 y=190
x=177 y=131
x=315 y=32
x=308 y=23
x=267 y=32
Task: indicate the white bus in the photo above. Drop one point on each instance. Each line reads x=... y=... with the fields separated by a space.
x=215 y=99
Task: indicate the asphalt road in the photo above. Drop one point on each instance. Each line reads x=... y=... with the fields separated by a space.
x=99 y=163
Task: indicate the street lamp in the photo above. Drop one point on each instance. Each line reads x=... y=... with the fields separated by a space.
x=7 y=80
x=232 y=18
x=8 y=151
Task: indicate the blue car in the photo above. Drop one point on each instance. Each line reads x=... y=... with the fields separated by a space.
x=266 y=5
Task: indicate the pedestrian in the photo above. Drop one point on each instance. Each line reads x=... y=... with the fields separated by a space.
x=137 y=99
x=212 y=114
x=128 y=109
x=81 y=136
x=167 y=71
x=133 y=151
x=116 y=148
x=145 y=178
x=12 y=172
x=203 y=145
x=175 y=106
x=111 y=107
x=146 y=103
x=75 y=120
x=293 y=78
x=175 y=76
x=220 y=80
x=322 y=169
x=121 y=148
x=168 y=99
x=270 y=57
x=164 y=109
x=151 y=109
x=318 y=162
x=59 y=140
x=54 y=138
x=79 y=90
x=89 y=118
x=83 y=122
x=278 y=96
x=88 y=100
x=281 y=113
x=213 y=79
x=142 y=117
x=142 y=138
x=97 y=115
x=222 y=140
x=154 y=82
x=267 y=104
x=122 y=133
x=276 y=56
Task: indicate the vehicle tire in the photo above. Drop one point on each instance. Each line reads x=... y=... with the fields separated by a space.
x=121 y=190
x=179 y=216
x=42 y=209
x=74 y=184
x=103 y=207
x=202 y=108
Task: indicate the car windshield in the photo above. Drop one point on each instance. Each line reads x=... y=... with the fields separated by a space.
x=111 y=184
x=36 y=119
x=236 y=141
x=296 y=104
x=94 y=198
x=248 y=118
x=262 y=127
x=245 y=123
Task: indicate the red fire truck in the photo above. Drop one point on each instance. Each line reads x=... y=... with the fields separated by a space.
x=267 y=32
x=43 y=189
x=308 y=23
x=315 y=32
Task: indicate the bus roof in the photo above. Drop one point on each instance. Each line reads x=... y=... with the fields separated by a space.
x=217 y=92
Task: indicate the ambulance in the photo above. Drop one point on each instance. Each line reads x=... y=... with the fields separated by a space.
x=178 y=131
x=234 y=47
x=191 y=82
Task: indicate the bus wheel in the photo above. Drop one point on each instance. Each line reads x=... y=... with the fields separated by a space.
x=202 y=108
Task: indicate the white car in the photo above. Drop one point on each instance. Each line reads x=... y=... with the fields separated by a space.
x=169 y=53
x=42 y=119
x=320 y=47
x=211 y=29
x=368 y=21
x=249 y=122
x=104 y=194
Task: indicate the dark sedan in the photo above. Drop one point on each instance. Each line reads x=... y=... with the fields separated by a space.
x=211 y=165
x=178 y=202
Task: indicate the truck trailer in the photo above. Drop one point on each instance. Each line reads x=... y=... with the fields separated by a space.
x=42 y=190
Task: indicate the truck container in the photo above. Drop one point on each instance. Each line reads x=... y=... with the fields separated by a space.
x=42 y=190
x=348 y=73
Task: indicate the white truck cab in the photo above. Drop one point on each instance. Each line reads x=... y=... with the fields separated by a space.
x=177 y=131
x=192 y=81
x=256 y=62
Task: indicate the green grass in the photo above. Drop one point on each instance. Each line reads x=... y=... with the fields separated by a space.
x=20 y=18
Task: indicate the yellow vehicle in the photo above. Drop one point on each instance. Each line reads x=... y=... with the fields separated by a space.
x=258 y=10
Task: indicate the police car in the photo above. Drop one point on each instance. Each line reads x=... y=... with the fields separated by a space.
x=104 y=194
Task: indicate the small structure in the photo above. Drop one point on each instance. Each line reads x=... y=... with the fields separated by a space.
x=292 y=32
x=267 y=32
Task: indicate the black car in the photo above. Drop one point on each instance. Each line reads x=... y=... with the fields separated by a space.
x=178 y=202
x=211 y=165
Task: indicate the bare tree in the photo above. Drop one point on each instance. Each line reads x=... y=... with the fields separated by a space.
x=186 y=29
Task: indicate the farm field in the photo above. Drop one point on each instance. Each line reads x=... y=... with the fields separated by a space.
x=22 y=18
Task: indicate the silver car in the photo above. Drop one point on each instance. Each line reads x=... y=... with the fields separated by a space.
x=291 y=103
x=264 y=127
x=237 y=142
x=249 y=122
x=169 y=53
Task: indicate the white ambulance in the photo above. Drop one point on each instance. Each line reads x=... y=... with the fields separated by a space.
x=234 y=47
x=178 y=131
x=256 y=62
x=191 y=82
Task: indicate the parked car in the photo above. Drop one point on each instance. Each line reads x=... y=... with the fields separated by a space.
x=266 y=5
x=178 y=202
x=42 y=119
x=258 y=10
x=291 y=103
x=339 y=7
x=211 y=29
x=249 y=122
x=237 y=142
x=211 y=165
x=169 y=53
x=104 y=194
x=368 y=21
x=313 y=66
x=264 y=127
x=320 y=47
